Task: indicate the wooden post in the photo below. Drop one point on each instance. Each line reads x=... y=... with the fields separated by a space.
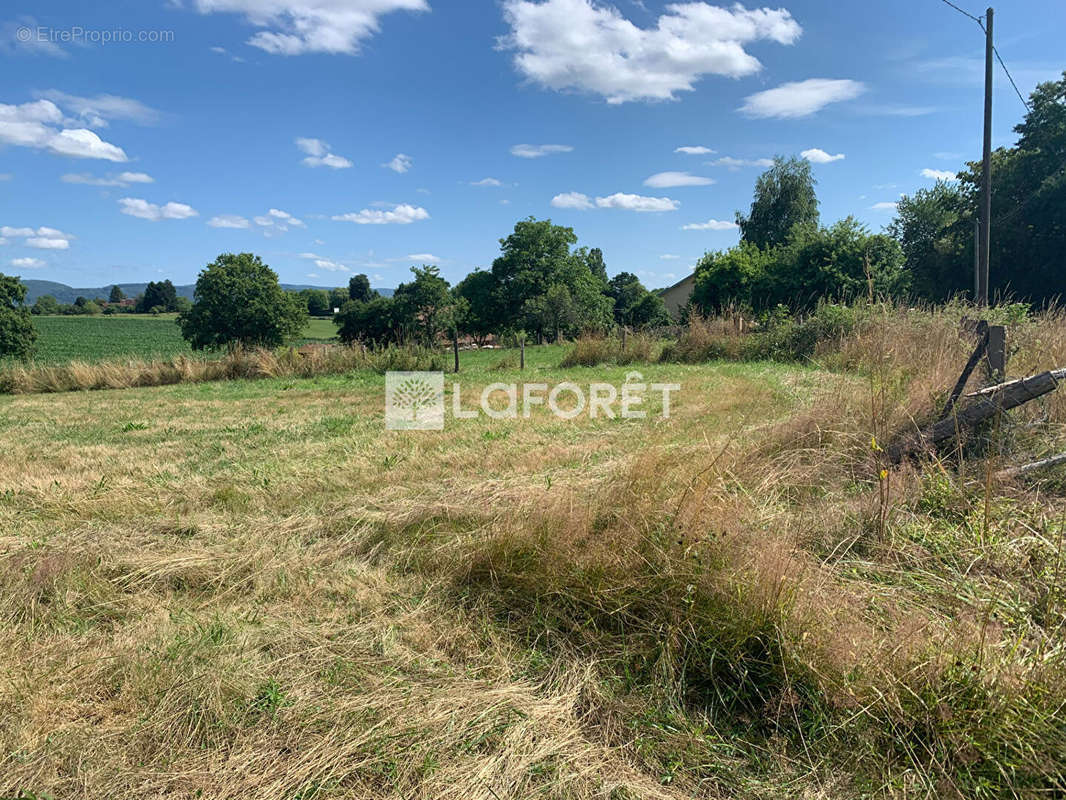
x=997 y=353
x=522 y=352
x=455 y=348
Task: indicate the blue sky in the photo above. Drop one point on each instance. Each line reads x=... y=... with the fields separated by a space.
x=341 y=136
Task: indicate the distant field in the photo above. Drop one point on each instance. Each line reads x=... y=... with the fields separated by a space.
x=99 y=338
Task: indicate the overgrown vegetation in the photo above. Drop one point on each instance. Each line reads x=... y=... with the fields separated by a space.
x=236 y=364
x=270 y=595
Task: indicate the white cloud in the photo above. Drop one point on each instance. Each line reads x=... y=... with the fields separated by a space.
x=800 y=98
x=885 y=206
x=734 y=164
x=312 y=275
x=37 y=124
x=666 y=180
x=83 y=143
x=5 y=176
x=332 y=266
x=27 y=263
x=669 y=257
x=48 y=243
x=636 y=202
x=277 y=221
x=572 y=200
x=938 y=174
x=710 y=225
x=400 y=163
x=42 y=238
x=3 y=240
x=403 y=214
x=486 y=182
x=576 y=44
x=694 y=150
x=425 y=258
x=294 y=27
x=95 y=112
x=122 y=179
x=319 y=155
x=286 y=218
x=142 y=209
x=817 y=156
x=228 y=221
x=538 y=150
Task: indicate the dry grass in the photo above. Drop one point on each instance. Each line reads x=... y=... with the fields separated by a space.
x=253 y=590
x=308 y=362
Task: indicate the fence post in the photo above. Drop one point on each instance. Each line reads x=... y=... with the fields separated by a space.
x=997 y=353
x=522 y=352
x=455 y=348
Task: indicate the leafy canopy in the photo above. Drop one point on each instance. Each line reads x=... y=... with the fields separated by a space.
x=239 y=302
x=784 y=198
x=17 y=332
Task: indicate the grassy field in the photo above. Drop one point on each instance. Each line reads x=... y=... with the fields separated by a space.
x=252 y=589
x=143 y=336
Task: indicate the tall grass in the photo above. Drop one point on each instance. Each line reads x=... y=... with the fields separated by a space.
x=239 y=364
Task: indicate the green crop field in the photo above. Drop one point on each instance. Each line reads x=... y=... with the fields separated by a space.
x=100 y=338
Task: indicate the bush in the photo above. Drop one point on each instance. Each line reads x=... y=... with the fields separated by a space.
x=590 y=351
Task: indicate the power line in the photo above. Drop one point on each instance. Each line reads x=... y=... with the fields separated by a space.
x=999 y=58
x=1009 y=78
x=964 y=13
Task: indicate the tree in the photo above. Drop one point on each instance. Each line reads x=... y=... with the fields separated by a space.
x=626 y=291
x=784 y=198
x=359 y=289
x=1029 y=201
x=478 y=289
x=532 y=259
x=316 y=301
x=634 y=305
x=239 y=302
x=45 y=304
x=737 y=277
x=161 y=295
x=117 y=295
x=596 y=264
x=424 y=305
x=813 y=264
x=934 y=228
x=374 y=322
x=338 y=297
x=553 y=311
x=835 y=263
x=650 y=311
x=17 y=332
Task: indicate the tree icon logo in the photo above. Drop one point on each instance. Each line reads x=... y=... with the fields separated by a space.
x=414 y=401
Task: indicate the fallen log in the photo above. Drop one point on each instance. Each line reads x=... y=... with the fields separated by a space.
x=1002 y=397
x=1024 y=469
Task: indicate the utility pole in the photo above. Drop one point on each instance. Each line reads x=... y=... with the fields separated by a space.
x=986 y=171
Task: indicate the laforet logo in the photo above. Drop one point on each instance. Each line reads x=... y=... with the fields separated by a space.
x=414 y=401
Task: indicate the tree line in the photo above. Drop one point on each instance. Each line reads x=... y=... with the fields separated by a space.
x=545 y=287
x=787 y=258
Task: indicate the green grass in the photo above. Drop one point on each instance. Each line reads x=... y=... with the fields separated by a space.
x=102 y=338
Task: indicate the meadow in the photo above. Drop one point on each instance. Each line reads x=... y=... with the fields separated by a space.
x=92 y=339
x=250 y=588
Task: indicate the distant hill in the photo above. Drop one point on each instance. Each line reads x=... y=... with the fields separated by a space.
x=68 y=294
